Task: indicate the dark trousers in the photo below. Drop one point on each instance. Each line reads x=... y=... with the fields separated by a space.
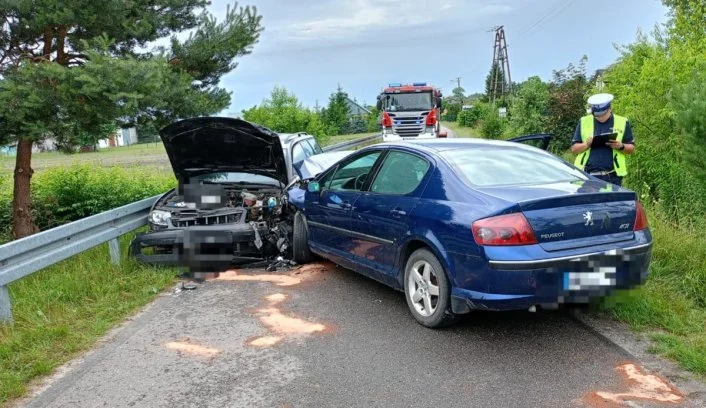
x=611 y=178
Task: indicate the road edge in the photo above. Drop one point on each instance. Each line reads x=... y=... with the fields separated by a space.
x=637 y=346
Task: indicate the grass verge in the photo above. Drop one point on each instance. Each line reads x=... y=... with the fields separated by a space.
x=671 y=306
x=64 y=309
x=460 y=131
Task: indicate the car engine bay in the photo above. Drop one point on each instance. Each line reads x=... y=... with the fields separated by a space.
x=259 y=213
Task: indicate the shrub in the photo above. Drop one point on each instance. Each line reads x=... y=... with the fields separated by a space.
x=471 y=117
x=493 y=126
x=65 y=194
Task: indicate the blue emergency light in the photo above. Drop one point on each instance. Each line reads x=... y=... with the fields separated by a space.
x=420 y=84
x=395 y=84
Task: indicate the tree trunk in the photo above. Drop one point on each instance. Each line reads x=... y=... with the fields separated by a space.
x=22 y=223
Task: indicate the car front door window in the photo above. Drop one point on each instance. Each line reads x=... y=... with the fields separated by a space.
x=400 y=174
x=352 y=176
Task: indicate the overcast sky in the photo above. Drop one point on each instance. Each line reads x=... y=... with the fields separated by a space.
x=311 y=46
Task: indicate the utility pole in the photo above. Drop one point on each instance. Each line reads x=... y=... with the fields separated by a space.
x=458 y=81
x=501 y=66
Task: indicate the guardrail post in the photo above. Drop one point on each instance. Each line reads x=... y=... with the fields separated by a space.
x=5 y=305
x=114 y=247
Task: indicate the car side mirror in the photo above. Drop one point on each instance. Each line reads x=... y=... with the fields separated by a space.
x=313 y=187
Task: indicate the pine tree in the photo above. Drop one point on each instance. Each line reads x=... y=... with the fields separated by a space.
x=72 y=67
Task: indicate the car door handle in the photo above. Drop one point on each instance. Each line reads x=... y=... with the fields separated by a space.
x=346 y=205
x=397 y=213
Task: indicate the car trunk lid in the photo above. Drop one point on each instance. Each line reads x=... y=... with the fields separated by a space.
x=574 y=214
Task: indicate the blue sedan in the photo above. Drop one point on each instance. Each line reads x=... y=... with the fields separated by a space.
x=467 y=224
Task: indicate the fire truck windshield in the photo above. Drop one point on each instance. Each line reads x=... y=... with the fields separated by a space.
x=407 y=101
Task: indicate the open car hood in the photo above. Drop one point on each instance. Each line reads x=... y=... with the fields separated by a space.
x=215 y=144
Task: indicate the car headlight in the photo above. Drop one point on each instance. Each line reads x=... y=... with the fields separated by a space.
x=159 y=217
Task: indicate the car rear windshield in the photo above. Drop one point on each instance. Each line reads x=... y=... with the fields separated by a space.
x=496 y=166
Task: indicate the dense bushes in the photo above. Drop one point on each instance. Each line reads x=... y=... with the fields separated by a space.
x=65 y=194
x=471 y=117
x=659 y=85
x=282 y=112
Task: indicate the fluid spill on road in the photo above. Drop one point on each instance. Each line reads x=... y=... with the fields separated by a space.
x=280 y=324
x=306 y=272
x=265 y=341
x=642 y=387
x=189 y=347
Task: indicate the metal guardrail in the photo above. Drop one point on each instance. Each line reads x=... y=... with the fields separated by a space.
x=35 y=252
x=351 y=143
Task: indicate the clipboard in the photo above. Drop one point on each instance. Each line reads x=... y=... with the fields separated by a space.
x=603 y=139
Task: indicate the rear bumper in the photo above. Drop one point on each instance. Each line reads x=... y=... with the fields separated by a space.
x=203 y=248
x=518 y=285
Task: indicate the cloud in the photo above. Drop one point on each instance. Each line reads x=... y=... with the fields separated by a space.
x=353 y=18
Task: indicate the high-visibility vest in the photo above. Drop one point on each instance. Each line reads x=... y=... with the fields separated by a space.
x=619 y=125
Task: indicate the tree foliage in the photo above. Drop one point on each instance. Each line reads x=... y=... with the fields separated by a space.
x=283 y=112
x=568 y=91
x=529 y=109
x=494 y=83
x=335 y=115
x=72 y=67
x=658 y=83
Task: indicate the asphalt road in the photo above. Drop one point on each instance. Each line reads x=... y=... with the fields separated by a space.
x=322 y=336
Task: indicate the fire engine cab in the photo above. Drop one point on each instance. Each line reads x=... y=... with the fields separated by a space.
x=410 y=111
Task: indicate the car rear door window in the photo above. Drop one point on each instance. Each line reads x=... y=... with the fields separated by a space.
x=497 y=166
x=400 y=174
x=352 y=176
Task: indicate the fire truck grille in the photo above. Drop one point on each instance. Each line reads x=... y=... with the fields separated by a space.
x=408 y=126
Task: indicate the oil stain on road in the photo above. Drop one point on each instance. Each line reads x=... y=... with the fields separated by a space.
x=648 y=388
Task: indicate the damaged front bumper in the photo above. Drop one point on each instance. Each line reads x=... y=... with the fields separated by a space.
x=209 y=248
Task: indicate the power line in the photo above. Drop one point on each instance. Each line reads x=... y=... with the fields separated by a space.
x=555 y=11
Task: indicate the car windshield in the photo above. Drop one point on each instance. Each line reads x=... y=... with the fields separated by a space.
x=407 y=101
x=233 y=177
x=494 y=166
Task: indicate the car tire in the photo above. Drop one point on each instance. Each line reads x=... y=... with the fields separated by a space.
x=438 y=314
x=300 y=240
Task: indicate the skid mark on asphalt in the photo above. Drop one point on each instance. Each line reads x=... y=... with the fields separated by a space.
x=189 y=347
x=642 y=387
x=280 y=324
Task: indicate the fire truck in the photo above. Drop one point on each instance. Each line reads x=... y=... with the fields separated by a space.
x=410 y=111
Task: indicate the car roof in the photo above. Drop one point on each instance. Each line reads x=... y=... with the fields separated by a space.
x=287 y=138
x=443 y=144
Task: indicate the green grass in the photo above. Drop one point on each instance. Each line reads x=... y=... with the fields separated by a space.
x=64 y=309
x=671 y=306
x=460 y=131
x=151 y=155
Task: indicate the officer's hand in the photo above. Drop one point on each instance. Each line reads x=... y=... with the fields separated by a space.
x=589 y=141
x=615 y=144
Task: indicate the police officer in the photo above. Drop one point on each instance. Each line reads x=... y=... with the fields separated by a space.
x=606 y=162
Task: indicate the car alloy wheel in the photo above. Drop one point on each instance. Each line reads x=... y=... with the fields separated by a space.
x=428 y=290
x=423 y=284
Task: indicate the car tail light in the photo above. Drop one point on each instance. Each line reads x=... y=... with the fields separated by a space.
x=640 y=218
x=431 y=118
x=510 y=229
x=386 y=120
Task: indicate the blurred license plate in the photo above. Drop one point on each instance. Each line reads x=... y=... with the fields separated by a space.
x=588 y=280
